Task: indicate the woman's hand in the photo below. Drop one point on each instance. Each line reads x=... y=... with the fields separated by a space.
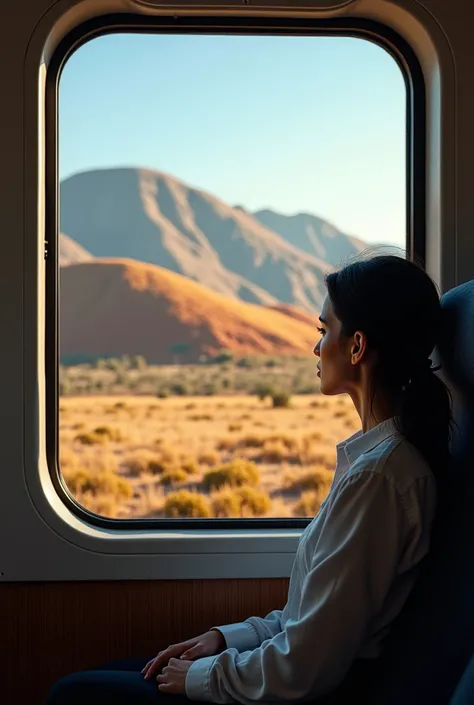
x=173 y=678
x=206 y=644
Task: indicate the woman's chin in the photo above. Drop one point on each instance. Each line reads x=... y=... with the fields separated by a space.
x=326 y=389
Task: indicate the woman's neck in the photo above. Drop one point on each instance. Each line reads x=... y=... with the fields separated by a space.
x=372 y=409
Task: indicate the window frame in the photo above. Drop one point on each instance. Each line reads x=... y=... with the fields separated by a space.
x=355 y=27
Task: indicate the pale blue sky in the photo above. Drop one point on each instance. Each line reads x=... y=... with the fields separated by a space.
x=314 y=124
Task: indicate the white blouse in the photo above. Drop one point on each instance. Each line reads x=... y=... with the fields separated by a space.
x=354 y=568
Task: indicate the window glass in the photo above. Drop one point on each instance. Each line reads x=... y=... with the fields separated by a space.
x=207 y=185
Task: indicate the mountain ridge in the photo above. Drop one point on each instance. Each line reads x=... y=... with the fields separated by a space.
x=156 y=218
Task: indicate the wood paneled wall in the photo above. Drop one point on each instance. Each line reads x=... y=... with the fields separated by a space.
x=51 y=629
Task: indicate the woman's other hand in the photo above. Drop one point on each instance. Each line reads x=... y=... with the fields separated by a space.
x=173 y=677
x=207 y=644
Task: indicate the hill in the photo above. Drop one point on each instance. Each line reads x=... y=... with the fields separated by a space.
x=152 y=217
x=122 y=307
x=312 y=235
x=70 y=252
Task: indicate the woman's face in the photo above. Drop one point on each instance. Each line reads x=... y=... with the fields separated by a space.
x=334 y=367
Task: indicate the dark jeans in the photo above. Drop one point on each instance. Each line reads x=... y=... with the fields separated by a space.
x=121 y=683
x=115 y=683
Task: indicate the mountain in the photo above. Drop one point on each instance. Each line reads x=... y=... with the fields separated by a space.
x=312 y=235
x=152 y=217
x=115 y=307
x=70 y=252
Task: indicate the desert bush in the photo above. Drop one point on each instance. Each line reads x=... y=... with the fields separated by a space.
x=209 y=457
x=91 y=438
x=253 y=502
x=234 y=427
x=226 y=443
x=281 y=400
x=186 y=504
x=316 y=478
x=289 y=442
x=243 y=501
x=308 y=505
x=273 y=452
x=188 y=465
x=236 y=473
x=97 y=482
x=102 y=506
x=262 y=391
x=112 y=434
x=173 y=476
x=225 y=503
x=251 y=441
x=143 y=462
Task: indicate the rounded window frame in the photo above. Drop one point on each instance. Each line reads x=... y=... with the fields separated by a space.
x=356 y=27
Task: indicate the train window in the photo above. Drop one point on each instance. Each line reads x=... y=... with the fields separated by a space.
x=207 y=183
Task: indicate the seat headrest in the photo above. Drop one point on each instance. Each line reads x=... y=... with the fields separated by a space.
x=456 y=347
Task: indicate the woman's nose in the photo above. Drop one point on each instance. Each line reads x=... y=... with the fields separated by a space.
x=316 y=349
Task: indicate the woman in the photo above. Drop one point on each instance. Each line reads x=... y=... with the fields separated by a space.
x=358 y=559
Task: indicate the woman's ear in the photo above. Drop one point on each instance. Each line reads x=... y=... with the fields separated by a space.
x=358 y=347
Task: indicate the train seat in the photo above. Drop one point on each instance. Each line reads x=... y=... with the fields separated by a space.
x=433 y=640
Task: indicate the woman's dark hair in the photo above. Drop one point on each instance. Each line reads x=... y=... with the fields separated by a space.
x=396 y=304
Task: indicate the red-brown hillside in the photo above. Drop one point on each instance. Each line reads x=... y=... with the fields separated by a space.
x=119 y=307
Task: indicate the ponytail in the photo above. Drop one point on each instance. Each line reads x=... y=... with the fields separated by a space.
x=423 y=416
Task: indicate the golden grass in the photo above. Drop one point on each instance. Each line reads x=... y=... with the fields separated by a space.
x=155 y=452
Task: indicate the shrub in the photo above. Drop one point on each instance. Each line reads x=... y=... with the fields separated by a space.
x=289 y=442
x=180 y=389
x=143 y=462
x=264 y=390
x=172 y=476
x=91 y=438
x=103 y=506
x=308 y=505
x=235 y=427
x=223 y=356
x=188 y=466
x=209 y=457
x=273 y=452
x=225 y=444
x=317 y=478
x=112 y=434
x=253 y=502
x=251 y=441
x=236 y=473
x=98 y=482
x=77 y=480
x=186 y=504
x=281 y=400
x=225 y=503
x=243 y=501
